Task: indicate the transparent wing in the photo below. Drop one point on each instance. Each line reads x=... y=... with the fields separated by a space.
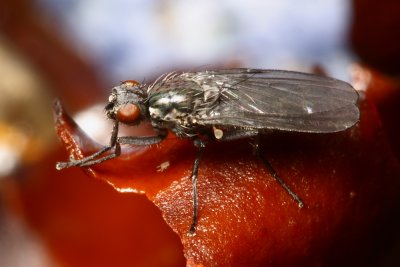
x=275 y=99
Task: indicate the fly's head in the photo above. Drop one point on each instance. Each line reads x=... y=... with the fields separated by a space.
x=127 y=103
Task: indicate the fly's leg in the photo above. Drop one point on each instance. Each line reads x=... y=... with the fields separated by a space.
x=116 y=153
x=86 y=161
x=125 y=140
x=274 y=174
x=142 y=140
x=237 y=134
x=116 y=142
x=200 y=145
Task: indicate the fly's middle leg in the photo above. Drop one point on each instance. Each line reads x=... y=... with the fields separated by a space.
x=200 y=145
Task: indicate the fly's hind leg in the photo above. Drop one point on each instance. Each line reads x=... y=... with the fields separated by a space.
x=274 y=174
x=237 y=134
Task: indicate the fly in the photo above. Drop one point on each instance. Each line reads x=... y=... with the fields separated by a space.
x=223 y=105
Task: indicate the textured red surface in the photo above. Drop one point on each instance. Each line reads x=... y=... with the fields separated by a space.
x=349 y=182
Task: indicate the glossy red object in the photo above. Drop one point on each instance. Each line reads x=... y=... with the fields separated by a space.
x=348 y=181
x=83 y=222
x=384 y=92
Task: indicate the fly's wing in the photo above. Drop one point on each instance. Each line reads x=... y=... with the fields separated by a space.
x=274 y=99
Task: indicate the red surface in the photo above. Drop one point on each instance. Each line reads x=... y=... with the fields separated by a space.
x=384 y=92
x=348 y=180
x=85 y=222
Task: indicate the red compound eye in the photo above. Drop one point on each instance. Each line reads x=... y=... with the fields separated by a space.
x=128 y=113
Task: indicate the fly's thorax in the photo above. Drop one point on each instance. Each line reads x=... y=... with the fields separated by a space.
x=182 y=105
x=170 y=106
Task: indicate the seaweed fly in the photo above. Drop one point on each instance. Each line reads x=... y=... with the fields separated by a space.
x=224 y=105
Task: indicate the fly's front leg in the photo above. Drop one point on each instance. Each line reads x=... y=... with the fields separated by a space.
x=274 y=174
x=143 y=140
x=200 y=145
x=129 y=140
x=90 y=160
x=116 y=142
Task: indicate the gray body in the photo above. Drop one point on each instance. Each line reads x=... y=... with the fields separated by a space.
x=245 y=100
